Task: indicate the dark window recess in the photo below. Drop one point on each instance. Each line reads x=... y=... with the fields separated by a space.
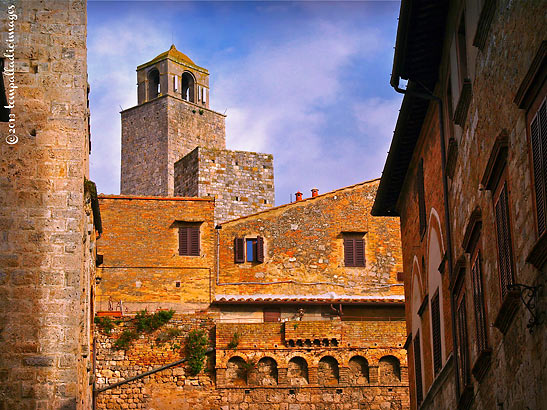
x=354 y=252
x=463 y=346
x=436 y=326
x=505 y=252
x=538 y=135
x=420 y=191
x=478 y=304
x=272 y=315
x=418 y=369
x=4 y=112
x=189 y=240
x=239 y=251
x=255 y=249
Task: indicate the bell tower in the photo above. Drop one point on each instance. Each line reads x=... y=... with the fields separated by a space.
x=172 y=117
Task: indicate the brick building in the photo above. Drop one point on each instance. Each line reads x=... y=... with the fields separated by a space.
x=47 y=208
x=308 y=293
x=173 y=144
x=466 y=174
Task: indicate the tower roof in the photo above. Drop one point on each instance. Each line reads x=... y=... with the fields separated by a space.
x=171 y=54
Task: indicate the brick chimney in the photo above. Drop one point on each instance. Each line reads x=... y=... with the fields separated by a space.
x=298 y=196
x=314 y=192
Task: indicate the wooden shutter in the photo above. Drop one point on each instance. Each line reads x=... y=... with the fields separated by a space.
x=239 y=250
x=538 y=132
x=505 y=252
x=463 y=348
x=421 y=196
x=260 y=249
x=193 y=233
x=359 y=252
x=349 y=255
x=272 y=315
x=183 y=241
x=418 y=369
x=436 y=327
x=478 y=304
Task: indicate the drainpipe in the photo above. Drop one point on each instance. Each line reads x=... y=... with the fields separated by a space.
x=428 y=95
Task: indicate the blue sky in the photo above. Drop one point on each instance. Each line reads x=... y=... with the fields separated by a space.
x=305 y=81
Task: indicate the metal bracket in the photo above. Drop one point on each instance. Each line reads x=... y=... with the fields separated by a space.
x=529 y=297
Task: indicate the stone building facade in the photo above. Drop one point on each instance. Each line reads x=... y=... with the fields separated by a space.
x=466 y=175
x=48 y=213
x=241 y=182
x=301 y=327
x=171 y=120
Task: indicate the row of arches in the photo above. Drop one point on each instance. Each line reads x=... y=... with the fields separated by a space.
x=187 y=86
x=265 y=372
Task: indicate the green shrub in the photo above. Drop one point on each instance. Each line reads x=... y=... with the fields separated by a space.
x=147 y=323
x=104 y=323
x=234 y=342
x=126 y=338
x=196 y=346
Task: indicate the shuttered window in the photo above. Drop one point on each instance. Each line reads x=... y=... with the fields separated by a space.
x=538 y=136
x=418 y=369
x=463 y=346
x=436 y=327
x=250 y=250
x=420 y=191
x=478 y=303
x=505 y=251
x=272 y=315
x=239 y=251
x=189 y=240
x=354 y=252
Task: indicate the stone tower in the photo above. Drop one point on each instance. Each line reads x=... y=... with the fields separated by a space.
x=171 y=119
x=174 y=145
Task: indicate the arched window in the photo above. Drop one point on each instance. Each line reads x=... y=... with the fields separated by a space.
x=390 y=370
x=297 y=372
x=328 y=372
x=187 y=87
x=153 y=83
x=236 y=372
x=358 y=370
x=265 y=373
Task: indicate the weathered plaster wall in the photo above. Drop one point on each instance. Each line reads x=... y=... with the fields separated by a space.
x=142 y=266
x=303 y=248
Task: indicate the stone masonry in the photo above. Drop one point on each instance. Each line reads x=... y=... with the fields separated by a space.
x=47 y=236
x=241 y=182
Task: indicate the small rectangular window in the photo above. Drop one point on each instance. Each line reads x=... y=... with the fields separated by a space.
x=354 y=249
x=189 y=239
x=418 y=369
x=272 y=315
x=436 y=327
x=176 y=83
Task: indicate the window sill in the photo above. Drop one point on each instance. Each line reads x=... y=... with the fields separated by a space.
x=508 y=309
x=538 y=254
x=482 y=364
x=466 y=397
x=460 y=114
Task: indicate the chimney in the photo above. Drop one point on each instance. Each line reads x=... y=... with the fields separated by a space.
x=314 y=192
x=298 y=196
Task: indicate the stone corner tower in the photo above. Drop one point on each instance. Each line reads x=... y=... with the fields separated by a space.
x=174 y=145
x=171 y=119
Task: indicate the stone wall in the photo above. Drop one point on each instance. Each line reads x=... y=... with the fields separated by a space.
x=140 y=247
x=365 y=377
x=158 y=133
x=241 y=182
x=43 y=230
x=303 y=249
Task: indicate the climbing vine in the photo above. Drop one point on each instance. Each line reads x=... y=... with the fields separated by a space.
x=196 y=346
